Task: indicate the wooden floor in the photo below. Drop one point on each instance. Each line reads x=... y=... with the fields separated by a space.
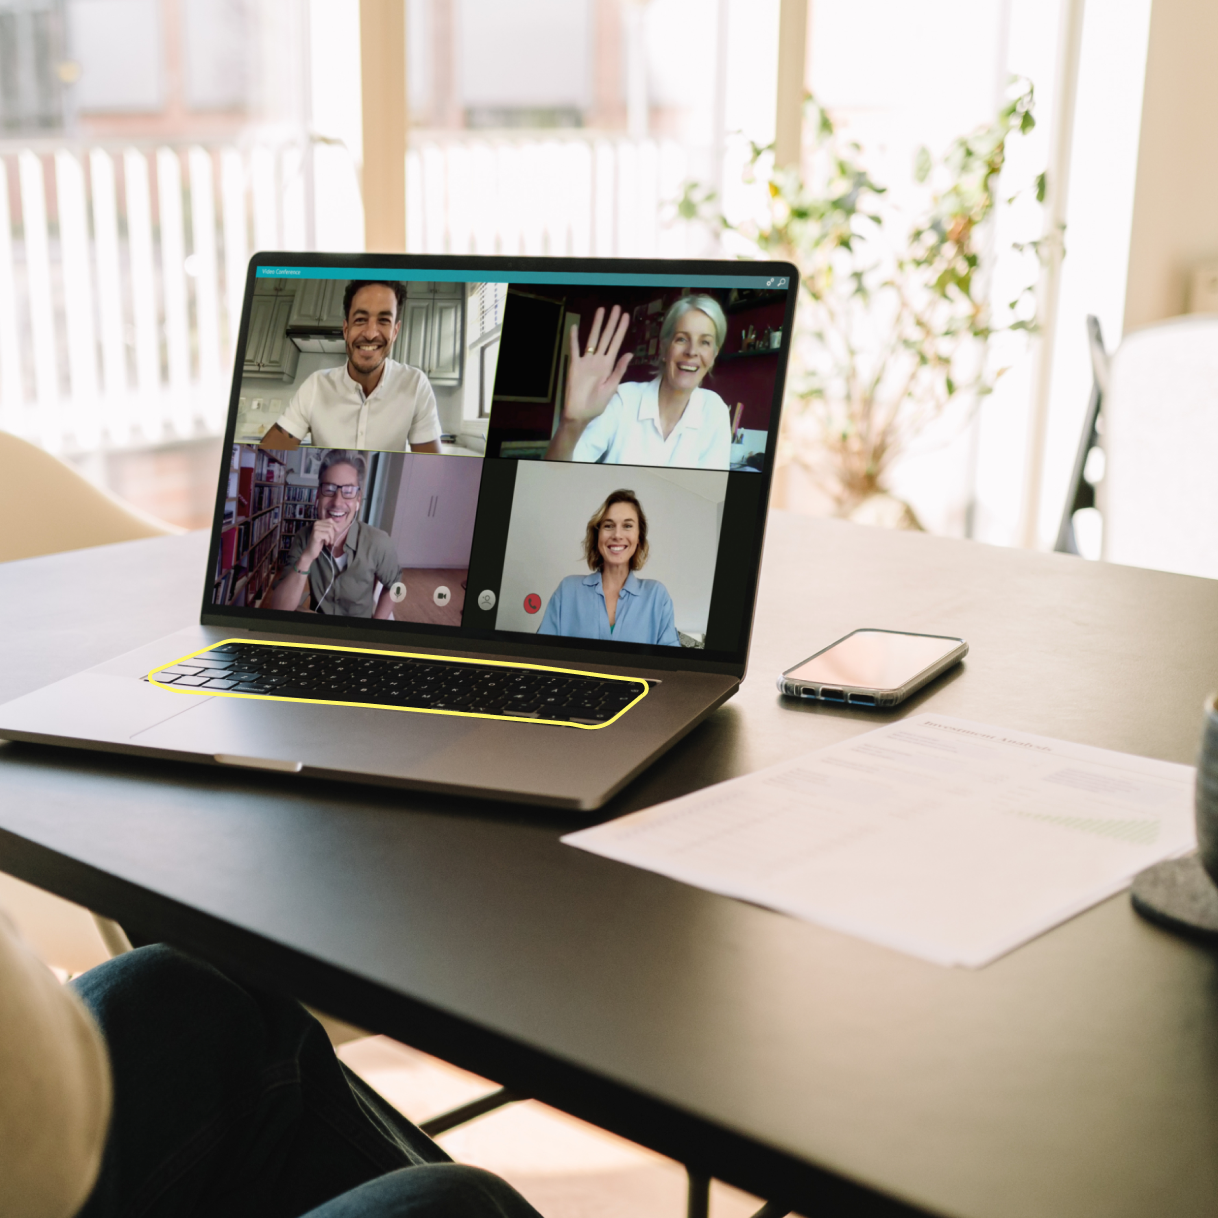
x=419 y=605
x=565 y=1168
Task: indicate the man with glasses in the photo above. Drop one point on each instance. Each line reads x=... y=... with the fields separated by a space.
x=333 y=566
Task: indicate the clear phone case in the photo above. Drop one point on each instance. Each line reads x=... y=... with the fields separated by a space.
x=864 y=695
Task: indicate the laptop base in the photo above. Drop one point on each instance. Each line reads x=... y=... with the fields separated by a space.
x=112 y=708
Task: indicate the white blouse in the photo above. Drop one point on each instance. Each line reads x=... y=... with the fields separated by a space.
x=628 y=431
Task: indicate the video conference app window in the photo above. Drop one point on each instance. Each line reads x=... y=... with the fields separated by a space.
x=345 y=497
x=348 y=533
x=713 y=350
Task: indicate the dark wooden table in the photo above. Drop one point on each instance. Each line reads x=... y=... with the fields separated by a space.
x=1077 y=1076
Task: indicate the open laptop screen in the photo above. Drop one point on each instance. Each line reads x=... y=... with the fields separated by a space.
x=575 y=454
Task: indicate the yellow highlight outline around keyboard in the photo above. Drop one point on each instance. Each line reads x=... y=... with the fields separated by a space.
x=401 y=655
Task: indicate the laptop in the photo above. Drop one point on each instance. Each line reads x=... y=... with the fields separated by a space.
x=489 y=527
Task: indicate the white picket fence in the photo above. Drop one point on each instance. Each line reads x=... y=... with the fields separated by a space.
x=122 y=269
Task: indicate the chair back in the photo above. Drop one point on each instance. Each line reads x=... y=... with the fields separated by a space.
x=61 y=510
x=1081 y=493
x=1159 y=494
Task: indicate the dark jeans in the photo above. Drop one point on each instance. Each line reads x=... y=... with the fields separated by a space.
x=230 y=1103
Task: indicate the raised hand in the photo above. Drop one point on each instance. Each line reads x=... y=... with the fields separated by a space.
x=594 y=373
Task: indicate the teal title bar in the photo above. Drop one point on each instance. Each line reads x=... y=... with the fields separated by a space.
x=593 y=279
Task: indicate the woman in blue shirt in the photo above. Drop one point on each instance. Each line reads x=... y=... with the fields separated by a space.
x=612 y=602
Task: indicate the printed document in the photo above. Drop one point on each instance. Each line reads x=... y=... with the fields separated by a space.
x=950 y=840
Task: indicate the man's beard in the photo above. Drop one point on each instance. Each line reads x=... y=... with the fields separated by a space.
x=379 y=355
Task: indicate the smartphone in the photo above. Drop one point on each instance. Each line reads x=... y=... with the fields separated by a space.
x=872 y=667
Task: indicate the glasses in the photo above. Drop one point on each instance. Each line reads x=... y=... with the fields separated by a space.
x=349 y=490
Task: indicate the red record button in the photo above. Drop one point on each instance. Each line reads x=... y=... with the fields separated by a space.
x=532 y=603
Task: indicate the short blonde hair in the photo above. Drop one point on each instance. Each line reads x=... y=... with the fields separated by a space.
x=592 y=550
x=686 y=304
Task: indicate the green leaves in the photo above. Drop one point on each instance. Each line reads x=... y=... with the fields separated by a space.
x=698 y=203
x=894 y=320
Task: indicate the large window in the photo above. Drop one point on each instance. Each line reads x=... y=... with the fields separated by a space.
x=31 y=61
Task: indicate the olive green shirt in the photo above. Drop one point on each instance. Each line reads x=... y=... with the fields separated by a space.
x=54 y=1089
x=371 y=555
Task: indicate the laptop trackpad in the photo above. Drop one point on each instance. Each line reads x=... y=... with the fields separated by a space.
x=348 y=738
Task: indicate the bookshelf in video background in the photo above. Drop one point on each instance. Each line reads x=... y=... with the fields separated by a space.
x=299 y=503
x=250 y=532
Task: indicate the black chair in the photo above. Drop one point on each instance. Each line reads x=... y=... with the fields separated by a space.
x=1081 y=492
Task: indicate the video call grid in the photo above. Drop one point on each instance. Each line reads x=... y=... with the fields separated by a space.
x=435 y=593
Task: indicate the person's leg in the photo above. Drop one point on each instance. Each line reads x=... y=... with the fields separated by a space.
x=439 y=1190
x=228 y=1100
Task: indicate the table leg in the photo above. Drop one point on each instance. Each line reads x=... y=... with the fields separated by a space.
x=698 y=1204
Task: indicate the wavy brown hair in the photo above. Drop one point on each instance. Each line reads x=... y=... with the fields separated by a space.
x=592 y=551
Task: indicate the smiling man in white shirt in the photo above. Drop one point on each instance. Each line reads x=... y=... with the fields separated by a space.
x=371 y=401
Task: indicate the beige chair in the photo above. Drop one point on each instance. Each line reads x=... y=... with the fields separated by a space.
x=72 y=514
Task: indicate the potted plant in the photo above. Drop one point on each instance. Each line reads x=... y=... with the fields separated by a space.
x=893 y=325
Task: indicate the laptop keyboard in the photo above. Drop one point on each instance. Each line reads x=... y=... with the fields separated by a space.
x=403 y=682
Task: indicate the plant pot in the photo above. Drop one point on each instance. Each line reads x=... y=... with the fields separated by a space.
x=886 y=512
